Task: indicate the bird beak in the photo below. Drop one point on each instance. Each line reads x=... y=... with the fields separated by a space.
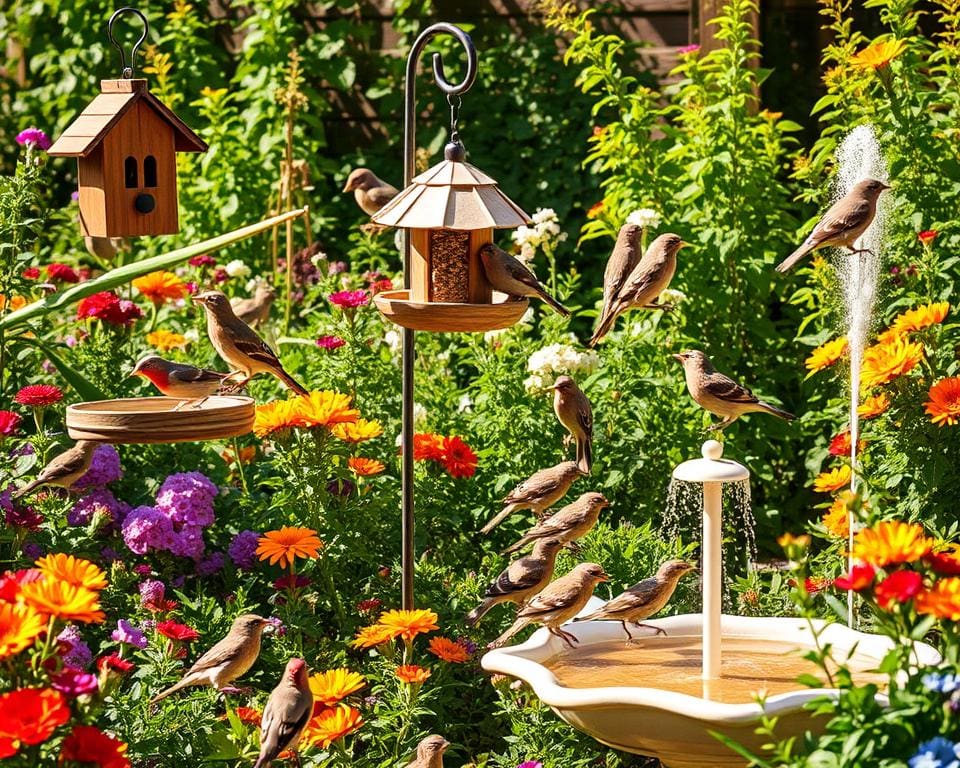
x=604 y=578
x=348 y=187
x=197 y=299
x=683 y=244
x=677 y=357
x=886 y=186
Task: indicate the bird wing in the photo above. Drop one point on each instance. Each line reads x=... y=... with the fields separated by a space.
x=545 y=603
x=534 y=487
x=254 y=347
x=216 y=656
x=189 y=374
x=623 y=260
x=381 y=195
x=515 y=579
x=585 y=415
x=70 y=461
x=724 y=388
x=521 y=273
x=842 y=216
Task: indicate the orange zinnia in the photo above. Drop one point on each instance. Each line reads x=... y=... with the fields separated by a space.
x=878 y=55
x=73 y=570
x=873 y=406
x=64 y=601
x=20 y=625
x=942 y=600
x=412 y=674
x=365 y=467
x=287 y=544
x=324 y=408
x=409 y=624
x=331 y=724
x=885 y=362
x=832 y=480
x=374 y=635
x=278 y=416
x=30 y=716
x=890 y=543
x=160 y=286
x=335 y=684
x=427 y=446
x=448 y=650
x=837 y=519
x=248 y=715
x=826 y=355
x=920 y=317
x=166 y=340
x=943 y=407
x=357 y=431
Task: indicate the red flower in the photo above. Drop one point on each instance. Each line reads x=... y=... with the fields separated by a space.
x=427 y=447
x=330 y=342
x=859 y=578
x=203 y=260
x=381 y=285
x=898 y=587
x=177 y=631
x=457 y=457
x=291 y=581
x=249 y=715
x=57 y=271
x=87 y=744
x=31 y=273
x=30 y=716
x=108 y=307
x=946 y=563
x=349 y=299
x=114 y=663
x=39 y=395
x=840 y=444
x=9 y=423
x=812 y=584
x=927 y=236
x=11 y=581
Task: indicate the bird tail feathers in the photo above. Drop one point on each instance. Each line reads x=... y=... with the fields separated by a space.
x=26 y=489
x=171 y=690
x=505 y=637
x=584 y=455
x=794 y=257
x=514 y=547
x=557 y=306
x=479 y=612
x=786 y=415
x=291 y=382
x=502 y=515
x=603 y=327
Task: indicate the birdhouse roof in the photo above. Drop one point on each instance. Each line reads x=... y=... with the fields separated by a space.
x=452 y=195
x=116 y=98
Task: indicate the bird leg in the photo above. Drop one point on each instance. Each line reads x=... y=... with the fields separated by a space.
x=197 y=402
x=573 y=548
x=657 y=630
x=180 y=405
x=629 y=636
x=726 y=422
x=239 y=385
x=656 y=305
x=570 y=640
x=230 y=689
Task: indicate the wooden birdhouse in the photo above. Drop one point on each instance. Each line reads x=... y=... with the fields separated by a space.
x=450 y=212
x=125 y=143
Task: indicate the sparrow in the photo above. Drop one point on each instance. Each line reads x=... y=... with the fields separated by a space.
x=647 y=280
x=520 y=580
x=65 y=469
x=370 y=191
x=104 y=248
x=255 y=310
x=179 y=380
x=575 y=414
x=286 y=714
x=511 y=276
x=538 y=492
x=226 y=660
x=623 y=259
x=644 y=599
x=570 y=523
x=430 y=752
x=719 y=394
x=843 y=223
x=559 y=602
x=238 y=344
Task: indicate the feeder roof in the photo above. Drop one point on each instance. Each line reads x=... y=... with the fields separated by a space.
x=452 y=195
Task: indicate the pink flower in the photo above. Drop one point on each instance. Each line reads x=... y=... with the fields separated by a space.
x=530 y=764
x=38 y=395
x=686 y=49
x=73 y=682
x=859 y=578
x=58 y=271
x=33 y=137
x=9 y=423
x=330 y=342
x=203 y=260
x=349 y=299
x=31 y=273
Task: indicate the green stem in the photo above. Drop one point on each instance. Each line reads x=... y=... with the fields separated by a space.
x=243 y=475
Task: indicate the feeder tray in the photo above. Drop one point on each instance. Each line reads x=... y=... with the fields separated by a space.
x=154 y=420
x=397 y=307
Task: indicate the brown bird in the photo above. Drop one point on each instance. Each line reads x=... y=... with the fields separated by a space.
x=286 y=714
x=370 y=191
x=104 y=248
x=65 y=469
x=511 y=276
x=227 y=660
x=843 y=223
x=644 y=599
x=255 y=310
x=430 y=752
x=558 y=603
x=647 y=280
x=179 y=380
x=238 y=344
x=575 y=414
x=520 y=580
x=623 y=259
x=538 y=492
x=570 y=523
x=719 y=394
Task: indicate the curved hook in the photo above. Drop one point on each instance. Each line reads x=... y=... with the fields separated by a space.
x=127 y=72
x=439 y=75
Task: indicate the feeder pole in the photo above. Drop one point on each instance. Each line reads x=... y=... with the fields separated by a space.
x=409 y=340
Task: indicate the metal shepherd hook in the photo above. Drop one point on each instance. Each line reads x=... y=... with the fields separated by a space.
x=127 y=72
x=409 y=159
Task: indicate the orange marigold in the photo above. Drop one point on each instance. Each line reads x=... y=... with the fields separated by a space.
x=20 y=625
x=335 y=684
x=324 y=408
x=331 y=724
x=826 y=354
x=943 y=407
x=448 y=650
x=64 y=601
x=942 y=600
x=412 y=674
x=160 y=286
x=873 y=406
x=920 y=317
x=890 y=543
x=73 y=570
x=374 y=635
x=357 y=431
x=832 y=480
x=365 y=467
x=885 y=362
x=276 y=417
x=287 y=544
x=427 y=446
x=837 y=519
x=409 y=624
x=878 y=55
x=248 y=715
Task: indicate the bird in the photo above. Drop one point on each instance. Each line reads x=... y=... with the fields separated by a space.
x=511 y=276
x=644 y=599
x=370 y=191
x=227 y=660
x=64 y=469
x=239 y=345
x=520 y=580
x=430 y=752
x=186 y=382
x=538 y=492
x=575 y=414
x=623 y=258
x=286 y=714
x=719 y=394
x=255 y=310
x=104 y=248
x=844 y=222
x=649 y=278
x=570 y=523
x=559 y=602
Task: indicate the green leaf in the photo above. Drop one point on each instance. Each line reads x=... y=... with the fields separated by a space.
x=85 y=388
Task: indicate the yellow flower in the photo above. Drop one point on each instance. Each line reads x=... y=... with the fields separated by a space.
x=789 y=540
x=832 y=480
x=166 y=340
x=62 y=600
x=335 y=684
x=20 y=625
x=837 y=519
x=883 y=363
x=826 y=354
x=941 y=600
x=357 y=431
x=160 y=286
x=278 y=416
x=409 y=624
x=214 y=94
x=73 y=570
x=374 y=635
x=365 y=467
x=891 y=542
x=873 y=406
x=325 y=408
x=943 y=407
x=918 y=318
x=412 y=674
x=287 y=544
x=766 y=114
x=878 y=55
x=331 y=724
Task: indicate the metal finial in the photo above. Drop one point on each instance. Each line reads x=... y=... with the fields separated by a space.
x=127 y=71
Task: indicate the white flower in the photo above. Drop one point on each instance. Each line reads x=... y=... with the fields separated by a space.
x=670 y=296
x=465 y=404
x=317 y=258
x=644 y=217
x=192 y=335
x=543 y=215
x=251 y=285
x=555 y=360
x=419 y=413
x=237 y=268
x=394 y=340
x=492 y=336
x=527 y=318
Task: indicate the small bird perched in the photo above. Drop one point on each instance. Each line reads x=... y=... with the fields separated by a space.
x=430 y=752
x=843 y=223
x=559 y=602
x=179 y=380
x=623 y=259
x=370 y=191
x=575 y=414
x=511 y=276
x=719 y=394
x=644 y=599
x=570 y=523
x=286 y=714
x=520 y=580
x=647 y=280
x=227 y=660
x=104 y=248
x=256 y=310
x=65 y=469
x=238 y=344
x=538 y=492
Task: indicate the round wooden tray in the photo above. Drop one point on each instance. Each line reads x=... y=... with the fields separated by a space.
x=438 y=316
x=153 y=420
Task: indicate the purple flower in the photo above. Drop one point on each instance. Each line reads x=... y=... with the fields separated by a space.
x=468 y=645
x=75 y=652
x=336 y=267
x=146 y=528
x=73 y=682
x=341 y=488
x=100 y=501
x=75 y=195
x=152 y=592
x=330 y=343
x=243 y=549
x=31 y=550
x=188 y=542
x=142 y=570
x=129 y=634
x=33 y=137
x=211 y=564
x=530 y=764
x=187 y=498
x=279 y=628
x=104 y=468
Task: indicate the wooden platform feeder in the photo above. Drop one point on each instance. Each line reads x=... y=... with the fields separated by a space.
x=450 y=211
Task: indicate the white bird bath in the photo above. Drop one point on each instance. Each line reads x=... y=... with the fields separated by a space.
x=663 y=694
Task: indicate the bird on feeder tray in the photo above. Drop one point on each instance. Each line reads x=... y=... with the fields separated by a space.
x=255 y=310
x=575 y=414
x=186 y=382
x=286 y=715
x=570 y=523
x=369 y=190
x=538 y=492
x=65 y=469
x=430 y=752
x=511 y=276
